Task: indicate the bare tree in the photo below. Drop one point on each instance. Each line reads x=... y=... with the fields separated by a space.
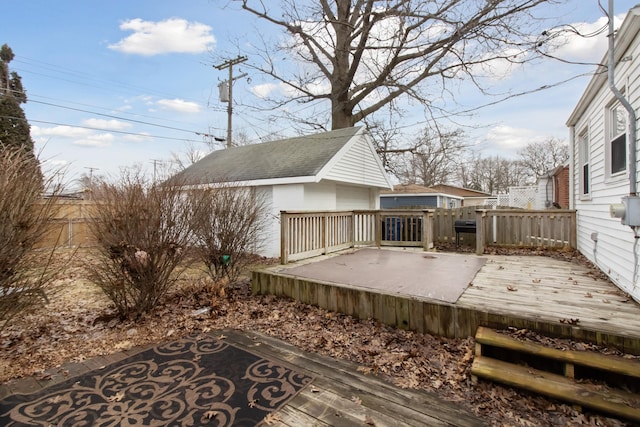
x=434 y=158
x=362 y=55
x=190 y=155
x=493 y=174
x=539 y=158
x=26 y=218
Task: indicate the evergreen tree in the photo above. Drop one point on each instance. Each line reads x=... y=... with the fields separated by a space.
x=14 y=128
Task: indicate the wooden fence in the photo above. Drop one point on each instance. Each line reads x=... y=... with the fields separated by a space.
x=69 y=227
x=306 y=234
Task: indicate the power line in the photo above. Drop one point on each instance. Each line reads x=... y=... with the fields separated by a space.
x=146 y=135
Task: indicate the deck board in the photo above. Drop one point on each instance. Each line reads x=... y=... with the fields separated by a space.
x=340 y=395
x=547 y=295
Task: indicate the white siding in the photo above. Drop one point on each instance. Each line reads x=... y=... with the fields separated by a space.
x=280 y=198
x=602 y=239
x=360 y=164
x=320 y=196
x=348 y=198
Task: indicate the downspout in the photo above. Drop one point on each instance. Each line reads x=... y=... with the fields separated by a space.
x=632 y=114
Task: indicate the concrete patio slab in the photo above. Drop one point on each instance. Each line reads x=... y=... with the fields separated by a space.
x=437 y=276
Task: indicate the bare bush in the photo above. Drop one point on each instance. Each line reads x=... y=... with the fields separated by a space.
x=142 y=230
x=25 y=220
x=228 y=226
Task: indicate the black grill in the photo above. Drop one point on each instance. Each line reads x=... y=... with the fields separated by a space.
x=464 y=226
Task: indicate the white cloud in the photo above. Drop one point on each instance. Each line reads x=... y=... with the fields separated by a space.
x=507 y=140
x=95 y=140
x=60 y=131
x=179 y=105
x=173 y=35
x=263 y=90
x=573 y=47
x=106 y=124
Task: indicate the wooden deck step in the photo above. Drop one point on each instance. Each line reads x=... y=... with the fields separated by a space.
x=617 y=403
x=627 y=367
x=490 y=345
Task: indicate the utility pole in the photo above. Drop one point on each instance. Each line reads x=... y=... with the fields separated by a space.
x=229 y=64
x=91 y=180
x=155 y=162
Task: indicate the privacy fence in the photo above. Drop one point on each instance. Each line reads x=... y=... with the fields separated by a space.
x=69 y=227
x=306 y=234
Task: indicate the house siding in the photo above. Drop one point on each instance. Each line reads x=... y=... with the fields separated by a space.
x=604 y=240
x=349 y=198
x=359 y=165
x=395 y=201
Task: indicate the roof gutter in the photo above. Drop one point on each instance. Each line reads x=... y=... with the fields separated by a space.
x=625 y=103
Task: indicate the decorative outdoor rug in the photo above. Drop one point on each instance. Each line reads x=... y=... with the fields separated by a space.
x=190 y=382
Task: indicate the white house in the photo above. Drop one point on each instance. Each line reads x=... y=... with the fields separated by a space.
x=337 y=170
x=602 y=163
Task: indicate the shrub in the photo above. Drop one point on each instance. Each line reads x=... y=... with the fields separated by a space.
x=228 y=226
x=142 y=230
x=25 y=219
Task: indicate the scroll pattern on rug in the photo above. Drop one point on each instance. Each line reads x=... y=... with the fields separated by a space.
x=190 y=382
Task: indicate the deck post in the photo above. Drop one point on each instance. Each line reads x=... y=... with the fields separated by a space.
x=377 y=226
x=284 y=237
x=352 y=232
x=573 y=239
x=427 y=229
x=481 y=214
x=324 y=232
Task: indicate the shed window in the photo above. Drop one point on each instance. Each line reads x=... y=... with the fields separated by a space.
x=617 y=139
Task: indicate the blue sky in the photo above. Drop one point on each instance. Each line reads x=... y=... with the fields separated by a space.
x=102 y=75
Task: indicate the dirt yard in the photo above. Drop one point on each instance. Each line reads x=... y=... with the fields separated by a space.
x=79 y=323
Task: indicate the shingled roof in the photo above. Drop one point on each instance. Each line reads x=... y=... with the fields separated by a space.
x=303 y=156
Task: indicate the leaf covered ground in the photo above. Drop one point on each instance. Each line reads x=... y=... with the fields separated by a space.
x=79 y=323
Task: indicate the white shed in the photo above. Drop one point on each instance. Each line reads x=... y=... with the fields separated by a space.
x=600 y=165
x=336 y=170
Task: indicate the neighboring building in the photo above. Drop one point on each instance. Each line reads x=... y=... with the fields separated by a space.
x=469 y=197
x=337 y=170
x=553 y=189
x=413 y=196
x=600 y=162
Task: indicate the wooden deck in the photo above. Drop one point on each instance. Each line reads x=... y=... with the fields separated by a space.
x=338 y=395
x=341 y=396
x=557 y=298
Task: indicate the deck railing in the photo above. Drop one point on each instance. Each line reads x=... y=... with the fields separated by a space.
x=518 y=227
x=305 y=234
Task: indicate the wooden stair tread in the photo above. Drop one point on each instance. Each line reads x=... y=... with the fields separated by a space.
x=614 y=402
x=619 y=365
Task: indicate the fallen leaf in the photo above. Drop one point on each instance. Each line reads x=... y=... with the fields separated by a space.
x=272 y=418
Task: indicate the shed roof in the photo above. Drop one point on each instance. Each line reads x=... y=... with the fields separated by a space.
x=308 y=158
x=291 y=157
x=459 y=191
x=409 y=189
